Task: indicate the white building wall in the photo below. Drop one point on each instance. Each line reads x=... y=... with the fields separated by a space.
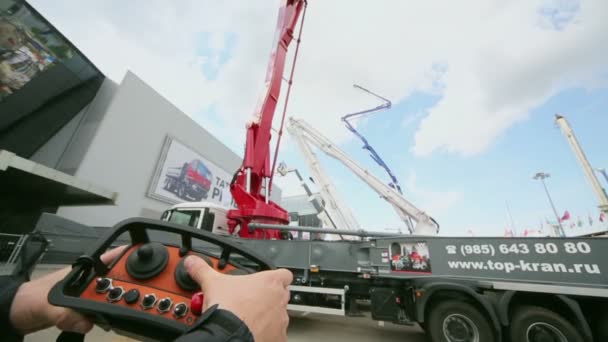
x=126 y=146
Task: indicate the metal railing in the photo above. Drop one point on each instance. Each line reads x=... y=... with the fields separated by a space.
x=10 y=247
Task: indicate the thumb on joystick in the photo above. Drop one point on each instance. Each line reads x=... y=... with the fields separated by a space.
x=199 y=270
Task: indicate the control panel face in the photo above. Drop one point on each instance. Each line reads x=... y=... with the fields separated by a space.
x=147 y=292
x=151 y=278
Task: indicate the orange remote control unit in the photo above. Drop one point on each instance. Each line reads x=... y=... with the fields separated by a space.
x=146 y=292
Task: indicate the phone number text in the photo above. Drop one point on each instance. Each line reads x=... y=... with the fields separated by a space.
x=521 y=248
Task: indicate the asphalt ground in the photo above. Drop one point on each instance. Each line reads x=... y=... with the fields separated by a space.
x=310 y=327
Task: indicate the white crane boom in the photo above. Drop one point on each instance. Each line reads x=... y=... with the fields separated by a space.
x=340 y=214
x=582 y=159
x=304 y=133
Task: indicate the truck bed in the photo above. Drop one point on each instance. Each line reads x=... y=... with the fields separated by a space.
x=562 y=263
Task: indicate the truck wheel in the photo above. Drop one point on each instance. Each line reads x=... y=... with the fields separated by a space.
x=167 y=185
x=181 y=191
x=458 y=321
x=536 y=324
x=201 y=196
x=600 y=329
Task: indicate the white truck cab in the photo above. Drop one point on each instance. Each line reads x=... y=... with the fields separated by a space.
x=200 y=215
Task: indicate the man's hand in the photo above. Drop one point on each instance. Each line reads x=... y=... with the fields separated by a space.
x=31 y=310
x=259 y=299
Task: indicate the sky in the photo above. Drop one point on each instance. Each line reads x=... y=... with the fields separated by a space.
x=474 y=85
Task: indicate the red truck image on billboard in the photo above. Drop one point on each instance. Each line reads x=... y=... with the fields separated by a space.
x=191 y=181
x=185 y=175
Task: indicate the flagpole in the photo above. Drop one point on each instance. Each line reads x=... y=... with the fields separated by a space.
x=542 y=176
x=511 y=218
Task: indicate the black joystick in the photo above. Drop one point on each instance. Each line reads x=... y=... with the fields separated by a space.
x=183 y=279
x=147 y=261
x=103 y=285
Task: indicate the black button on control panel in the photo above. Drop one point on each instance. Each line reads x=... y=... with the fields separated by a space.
x=180 y=310
x=115 y=294
x=148 y=301
x=131 y=296
x=164 y=305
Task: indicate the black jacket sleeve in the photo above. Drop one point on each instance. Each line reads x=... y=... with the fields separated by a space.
x=8 y=288
x=217 y=325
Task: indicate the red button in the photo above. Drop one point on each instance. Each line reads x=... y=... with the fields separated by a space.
x=196 y=303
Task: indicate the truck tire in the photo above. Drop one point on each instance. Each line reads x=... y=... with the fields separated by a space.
x=600 y=328
x=168 y=184
x=535 y=324
x=458 y=321
x=181 y=191
x=201 y=196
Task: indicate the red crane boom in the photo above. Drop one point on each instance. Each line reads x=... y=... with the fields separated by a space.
x=255 y=173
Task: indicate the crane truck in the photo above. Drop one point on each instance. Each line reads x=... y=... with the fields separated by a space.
x=458 y=289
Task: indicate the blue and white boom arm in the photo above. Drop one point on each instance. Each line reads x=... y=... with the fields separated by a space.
x=304 y=134
x=366 y=146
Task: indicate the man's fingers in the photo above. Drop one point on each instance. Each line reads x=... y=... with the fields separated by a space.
x=68 y=320
x=287 y=297
x=284 y=276
x=112 y=254
x=199 y=270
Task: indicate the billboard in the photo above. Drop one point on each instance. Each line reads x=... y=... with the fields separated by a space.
x=184 y=175
x=28 y=47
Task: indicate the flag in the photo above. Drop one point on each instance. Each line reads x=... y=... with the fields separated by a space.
x=526 y=232
x=508 y=233
x=579 y=222
x=602 y=217
x=590 y=219
x=566 y=216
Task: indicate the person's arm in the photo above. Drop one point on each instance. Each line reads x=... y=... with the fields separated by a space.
x=8 y=288
x=25 y=307
x=240 y=308
x=236 y=308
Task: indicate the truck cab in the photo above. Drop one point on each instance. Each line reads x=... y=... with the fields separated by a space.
x=200 y=215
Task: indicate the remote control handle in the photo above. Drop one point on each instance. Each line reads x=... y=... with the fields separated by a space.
x=67 y=291
x=138 y=227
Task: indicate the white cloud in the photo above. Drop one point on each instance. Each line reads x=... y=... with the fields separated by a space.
x=492 y=61
x=503 y=80
x=435 y=203
x=411 y=119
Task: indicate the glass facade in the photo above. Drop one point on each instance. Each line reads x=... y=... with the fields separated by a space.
x=44 y=80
